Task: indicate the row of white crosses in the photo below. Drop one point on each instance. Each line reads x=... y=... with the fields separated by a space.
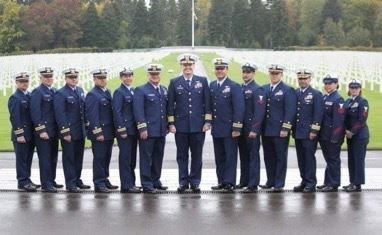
x=86 y=62
x=348 y=65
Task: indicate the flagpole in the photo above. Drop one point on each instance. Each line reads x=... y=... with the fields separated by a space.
x=193 y=24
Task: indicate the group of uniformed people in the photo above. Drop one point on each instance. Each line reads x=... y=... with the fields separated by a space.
x=238 y=115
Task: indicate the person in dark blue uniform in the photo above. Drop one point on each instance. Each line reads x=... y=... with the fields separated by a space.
x=310 y=110
x=150 y=112
x=99 y=114
x=280 y=114
x=70 y=116
x=249 y=141
x=189 y=117
x=357 y=135
x=22 y=132
x=46 y=133
x=126 y=131
x=332 y=134
x=227 y=101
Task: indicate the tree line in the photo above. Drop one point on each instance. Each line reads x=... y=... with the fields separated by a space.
x=34 y=25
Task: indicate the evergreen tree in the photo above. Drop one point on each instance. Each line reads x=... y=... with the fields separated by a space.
x=241 y=24
x=171 y=13
x=156 y=21
x=139 y=25
x=279 y=25
x=219 y=22
x=333 y=33
x=332 y=9
x=90 y=27
x=259 y=25
x=110 y=24
x=183 y=27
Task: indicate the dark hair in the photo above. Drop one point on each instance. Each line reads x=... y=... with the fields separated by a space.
x=360 y=92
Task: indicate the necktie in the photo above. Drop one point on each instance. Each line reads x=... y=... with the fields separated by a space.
x=271 y=89
x=188 y=81
x=302 y=92
x=218 y=86
x=325 y=96
x=132 y=91
x=158 y=90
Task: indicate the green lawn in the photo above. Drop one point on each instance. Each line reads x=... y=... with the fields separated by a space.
x=170 y=63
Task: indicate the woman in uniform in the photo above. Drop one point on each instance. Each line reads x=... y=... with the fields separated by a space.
x=357 y=135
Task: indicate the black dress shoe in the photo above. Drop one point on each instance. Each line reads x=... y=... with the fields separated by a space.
x=110 y=186
x=101 y=190
x=347 y=186
x=321 y=186
x=138 y=187
x=35 y=185
x=240 y=186
x=161 y=187
x=182 y=188
x=309 y=190
x=73 y=190
x=217 y=187
x=264 y=186
x=354 y=188
x=195 y=188
x=278 y=190
x=299 y=188
x=329 y=189
x=250 y=189
x=57 y=185
x=28 y=188
x=130 y=190
x=149 y=191
x=228 y=188
x=84 y=186
x=49 y=190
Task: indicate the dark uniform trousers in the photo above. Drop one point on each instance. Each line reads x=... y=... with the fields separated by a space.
x=194 y=142
x=310 y=110
x=22 y=126
x=150 y=113
x=276 y=159
x=228 y=109
x=249 y=147
x=42 y=113
x=332 y=137
x=357 y=111
x=69 y=110
x=249 y=159
x=127 y=160
x=306 y=150
x=151 y=158
x=189 y=108
x=99 y=114
x=72 y=160
x=125 y=125
x=280 y=114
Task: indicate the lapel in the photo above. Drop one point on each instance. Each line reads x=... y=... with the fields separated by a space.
x=126 y=90
x=103 y=93
x=184 y=83
x=193 y=82
x=222 y=86
x=152 y=89
x=73 y=93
